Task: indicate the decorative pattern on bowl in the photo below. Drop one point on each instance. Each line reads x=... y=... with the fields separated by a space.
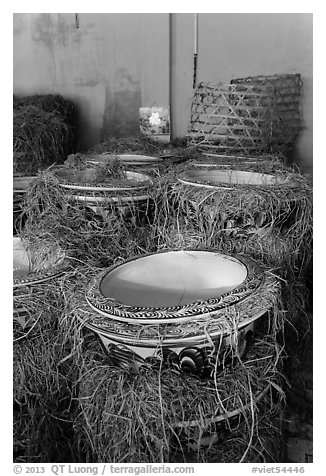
x=121 y=291
x=201 y=360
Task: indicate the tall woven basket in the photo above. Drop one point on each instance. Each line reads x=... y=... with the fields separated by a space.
x=247 y=116
x=287 y=122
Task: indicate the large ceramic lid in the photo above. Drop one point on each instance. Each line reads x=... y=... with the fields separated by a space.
x=89 y=179
x=173 y=286
x=128 y=159
x=32 y=267
x=216 y=178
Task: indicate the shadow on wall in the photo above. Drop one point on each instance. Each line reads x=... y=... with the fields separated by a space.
x=294 y=158
x=121 y=110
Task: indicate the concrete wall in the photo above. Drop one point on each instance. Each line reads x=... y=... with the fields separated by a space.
x=110 y=65
x=114 y=63
x=233 y=45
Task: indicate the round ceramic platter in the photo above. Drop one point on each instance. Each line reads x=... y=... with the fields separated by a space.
x=53 y=266
x=215 y=179
x=20 y=184
x=143 y=181
x=173 y=286
x=129 y=159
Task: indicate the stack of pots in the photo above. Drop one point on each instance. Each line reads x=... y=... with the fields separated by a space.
x=33 y=271
x=83 y=186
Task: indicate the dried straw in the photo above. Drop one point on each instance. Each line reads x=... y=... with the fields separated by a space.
x=44 y=131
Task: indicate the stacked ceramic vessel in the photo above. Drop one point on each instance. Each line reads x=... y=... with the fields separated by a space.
x=33 y=271
x=194 y=309
x=94 y=186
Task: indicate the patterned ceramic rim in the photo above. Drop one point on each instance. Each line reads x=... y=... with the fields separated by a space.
x=104 y=187
x=95 y=200
x=41 y=276
x=186 y=179
x=22 y=182
x=178 y=334
x=156 y=315
x=130 y=159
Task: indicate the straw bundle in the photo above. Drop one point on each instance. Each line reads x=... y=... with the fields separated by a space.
x=42 y=380
x=244 y=117
x=97 y=237
x=43 y=132
x=48 y=103
x=159 y=416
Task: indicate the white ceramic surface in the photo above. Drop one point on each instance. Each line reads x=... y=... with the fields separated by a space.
x=214 y=178
x=21 y=183
x=78 y=180
x=32 y=268
x=173 y=279
x=129 y=159
x=21 y=261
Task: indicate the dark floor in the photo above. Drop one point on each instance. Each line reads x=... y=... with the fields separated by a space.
x=299 y=417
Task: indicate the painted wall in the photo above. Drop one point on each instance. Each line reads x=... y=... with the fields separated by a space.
x=110 y=65
x=115 y=63
x=235 y=45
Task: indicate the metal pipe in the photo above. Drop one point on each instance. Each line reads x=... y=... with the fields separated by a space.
x=195 y=49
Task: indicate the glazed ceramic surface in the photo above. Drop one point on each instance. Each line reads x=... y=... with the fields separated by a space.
x=208 y=178
x=173 y=286
x=200 y=359
x=193 y=343
x=81 y=180
x=96 y=200
x=128 y=159
x=28 y=270
x=21 y=183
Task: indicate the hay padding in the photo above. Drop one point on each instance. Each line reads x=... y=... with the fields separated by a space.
x=43 y=132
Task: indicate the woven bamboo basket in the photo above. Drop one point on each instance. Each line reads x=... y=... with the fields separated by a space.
x=244 y=117
x=287 y=121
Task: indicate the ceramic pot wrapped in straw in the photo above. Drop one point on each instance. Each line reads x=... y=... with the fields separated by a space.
x=196 y=309
x=98 y=228
x=37 y=271
x=161 y=416
x=262 y=209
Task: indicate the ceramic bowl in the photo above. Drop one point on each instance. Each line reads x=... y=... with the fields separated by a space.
x=83 y=180
x=128 y=159
x=198 y=308
x=216 y=178
x=173 y=286
x=30 y=268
